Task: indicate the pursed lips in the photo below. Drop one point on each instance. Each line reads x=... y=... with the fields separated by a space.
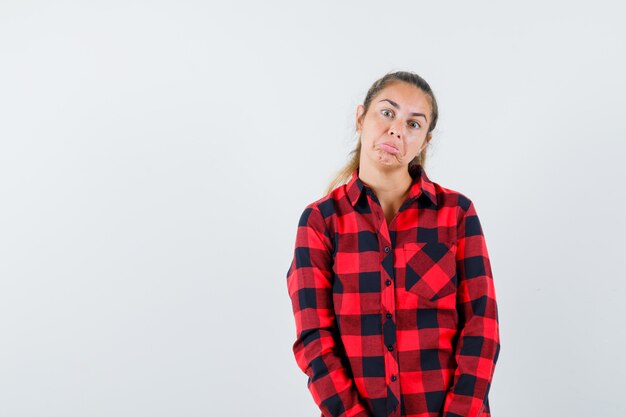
x=389 y=147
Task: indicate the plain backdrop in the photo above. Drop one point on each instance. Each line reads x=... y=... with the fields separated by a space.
x=155 y=157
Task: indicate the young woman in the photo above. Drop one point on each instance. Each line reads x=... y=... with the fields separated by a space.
x=390 y=282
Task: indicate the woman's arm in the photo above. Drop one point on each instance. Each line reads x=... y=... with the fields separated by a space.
x=479 y=341
x=309 y=281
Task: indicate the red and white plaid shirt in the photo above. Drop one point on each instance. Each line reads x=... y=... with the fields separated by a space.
x=394 y=319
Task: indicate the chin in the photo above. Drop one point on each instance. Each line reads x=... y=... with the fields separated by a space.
x=388 y=162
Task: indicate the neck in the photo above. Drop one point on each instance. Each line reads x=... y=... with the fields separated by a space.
x=390 y=185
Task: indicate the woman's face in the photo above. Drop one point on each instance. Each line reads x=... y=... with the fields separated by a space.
x=395 y=128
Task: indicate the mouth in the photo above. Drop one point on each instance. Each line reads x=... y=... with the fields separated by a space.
x=389 y=148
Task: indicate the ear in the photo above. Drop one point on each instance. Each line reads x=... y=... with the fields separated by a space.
x=360 y=111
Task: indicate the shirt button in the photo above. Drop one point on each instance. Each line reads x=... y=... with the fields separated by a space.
x=388 y=315
x=388 y=282
x=390 y=348
x=393 y=377
x=387 y=249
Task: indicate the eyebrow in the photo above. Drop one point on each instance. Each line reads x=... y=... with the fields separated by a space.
x=394 y=104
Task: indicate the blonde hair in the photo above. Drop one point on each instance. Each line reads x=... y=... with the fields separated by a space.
x=343 y=175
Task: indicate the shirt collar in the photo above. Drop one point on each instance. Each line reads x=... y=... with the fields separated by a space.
x=421 y=184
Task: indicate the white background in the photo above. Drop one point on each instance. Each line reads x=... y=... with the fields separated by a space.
x=155 y=157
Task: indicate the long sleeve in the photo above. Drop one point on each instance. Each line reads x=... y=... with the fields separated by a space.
x=316 y=349
x=479 y=341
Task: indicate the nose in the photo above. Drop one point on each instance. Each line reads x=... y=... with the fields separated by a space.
x=394 y=131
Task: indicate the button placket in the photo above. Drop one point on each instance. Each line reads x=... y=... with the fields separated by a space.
x=388 y=275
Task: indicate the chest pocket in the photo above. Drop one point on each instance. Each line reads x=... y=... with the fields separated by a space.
x=430 y=269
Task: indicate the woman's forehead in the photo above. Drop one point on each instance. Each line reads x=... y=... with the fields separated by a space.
x=407 y=96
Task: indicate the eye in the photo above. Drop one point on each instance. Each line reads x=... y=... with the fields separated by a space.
x=386 y=111
x=415 y=125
